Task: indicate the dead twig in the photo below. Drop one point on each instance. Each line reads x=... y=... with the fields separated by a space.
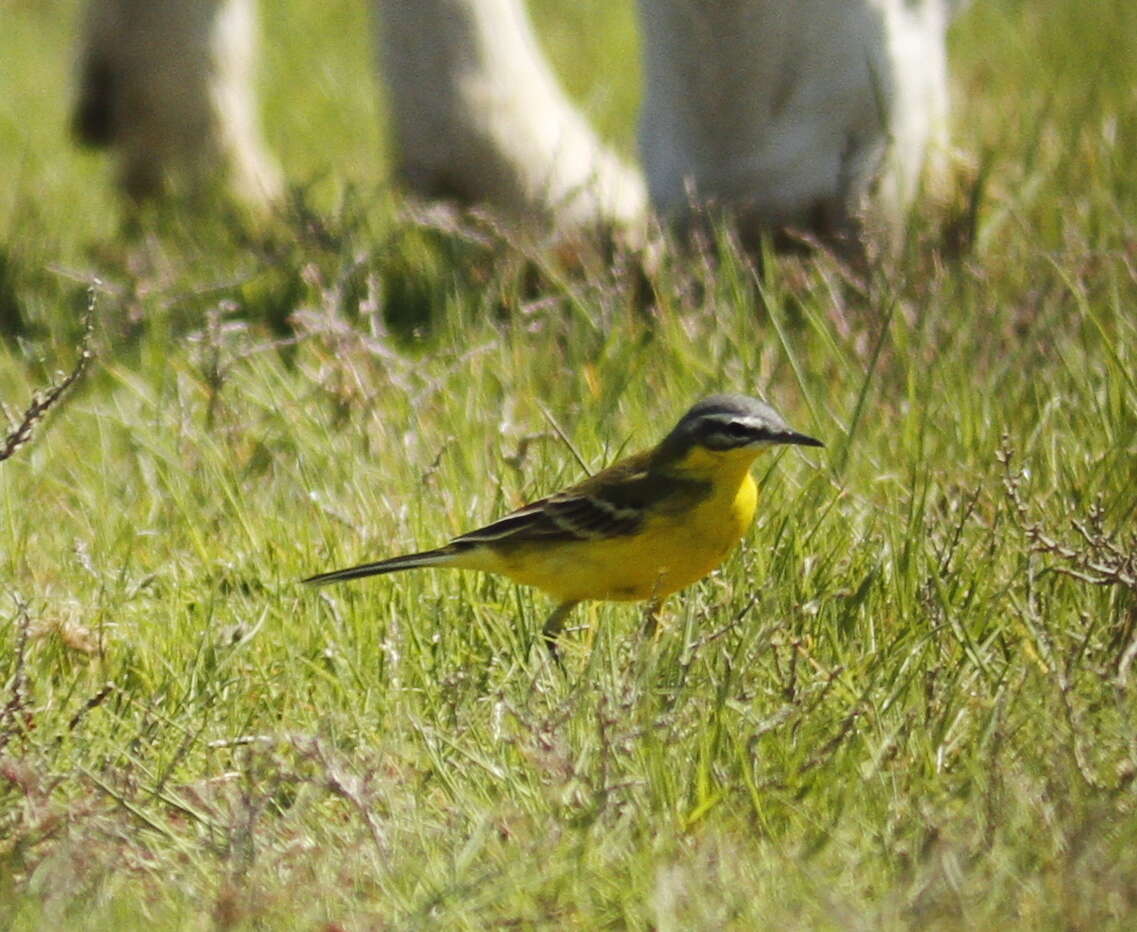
x=22 y=429
x=14 y=716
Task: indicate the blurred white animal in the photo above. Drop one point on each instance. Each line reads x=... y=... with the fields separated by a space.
x=169 y=84
x=783 y=113
x=792 y=113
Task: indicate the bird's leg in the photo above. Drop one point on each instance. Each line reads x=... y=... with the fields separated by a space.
x=553 y=626
x=651 y=618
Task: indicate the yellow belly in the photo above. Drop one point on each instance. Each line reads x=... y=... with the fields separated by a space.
x=669 y=552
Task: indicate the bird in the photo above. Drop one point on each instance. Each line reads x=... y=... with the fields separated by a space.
x=641 y=529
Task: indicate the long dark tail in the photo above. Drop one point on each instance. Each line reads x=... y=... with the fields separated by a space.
x=439 y=557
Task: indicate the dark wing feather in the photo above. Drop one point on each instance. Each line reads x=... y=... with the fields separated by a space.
x=612 y=503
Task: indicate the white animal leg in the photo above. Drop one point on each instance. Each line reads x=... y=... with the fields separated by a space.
x=168 y=84
x=477 y=115
x=791 y=113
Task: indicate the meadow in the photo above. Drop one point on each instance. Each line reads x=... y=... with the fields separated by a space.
x=907 y=700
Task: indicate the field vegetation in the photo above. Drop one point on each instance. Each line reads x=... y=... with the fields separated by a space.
x=908 y=700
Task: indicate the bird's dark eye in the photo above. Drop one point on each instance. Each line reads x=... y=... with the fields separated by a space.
x=738 y=429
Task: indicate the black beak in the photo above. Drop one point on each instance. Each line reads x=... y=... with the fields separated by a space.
x=801 y=440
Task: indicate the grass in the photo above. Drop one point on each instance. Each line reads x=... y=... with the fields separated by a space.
x=907 y=700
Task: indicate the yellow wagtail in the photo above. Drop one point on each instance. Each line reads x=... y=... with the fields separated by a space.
x=639 y=530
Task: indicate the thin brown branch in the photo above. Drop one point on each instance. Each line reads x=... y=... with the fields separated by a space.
x=42 y=402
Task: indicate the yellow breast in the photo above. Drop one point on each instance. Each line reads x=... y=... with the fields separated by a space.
x=669 y=552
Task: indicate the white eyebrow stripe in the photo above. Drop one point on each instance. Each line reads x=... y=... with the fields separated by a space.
x=749 y=420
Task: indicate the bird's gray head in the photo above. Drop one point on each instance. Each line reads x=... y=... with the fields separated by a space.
x=731 y=422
